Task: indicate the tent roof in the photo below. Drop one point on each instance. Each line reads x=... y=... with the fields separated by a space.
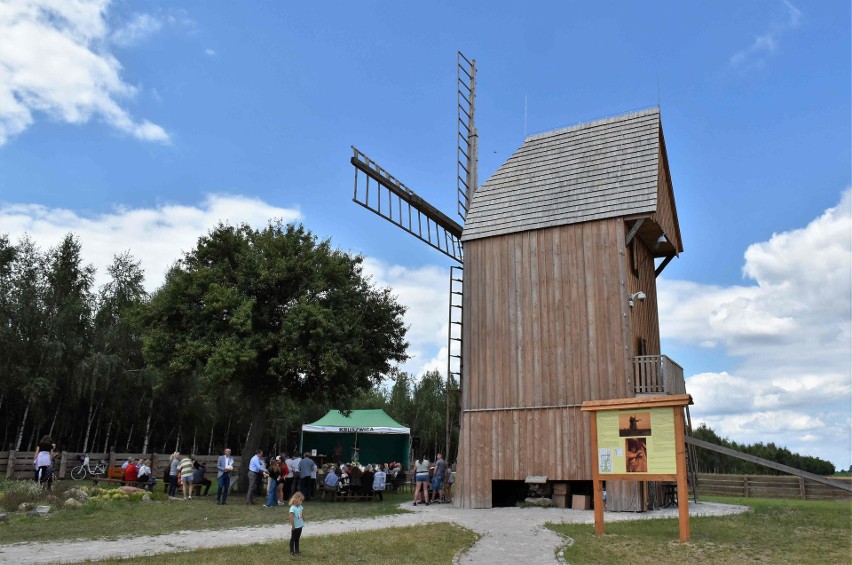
x=359 y=421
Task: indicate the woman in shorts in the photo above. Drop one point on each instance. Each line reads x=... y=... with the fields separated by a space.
x=421 y=476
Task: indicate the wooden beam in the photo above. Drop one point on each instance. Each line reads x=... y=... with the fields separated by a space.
x=632 y=233
x=641 y=402
x=768 y=463
x=662 y=266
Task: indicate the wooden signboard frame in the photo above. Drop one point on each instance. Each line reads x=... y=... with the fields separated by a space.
x=676 y=402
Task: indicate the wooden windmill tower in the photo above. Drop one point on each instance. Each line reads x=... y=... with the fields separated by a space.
x=562 y=247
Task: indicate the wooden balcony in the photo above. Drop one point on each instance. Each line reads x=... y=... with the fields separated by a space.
x=657 y=374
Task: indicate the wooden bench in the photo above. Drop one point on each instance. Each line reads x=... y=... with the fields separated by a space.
x=352 y=495
x=115 y=475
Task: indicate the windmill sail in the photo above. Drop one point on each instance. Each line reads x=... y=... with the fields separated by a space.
x=381 y=193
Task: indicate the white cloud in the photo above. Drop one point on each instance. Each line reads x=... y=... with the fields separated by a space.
x=766 y=44
x=425 y=292
x=139 y=28
x=156 y=236
x=54 y=61
x=210 y=52
x=790 y=333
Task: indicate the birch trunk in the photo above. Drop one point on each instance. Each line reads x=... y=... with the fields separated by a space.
x=55 y=414
x=129 y=435
x=21 y=428
x=148 y=426
x=89 y=422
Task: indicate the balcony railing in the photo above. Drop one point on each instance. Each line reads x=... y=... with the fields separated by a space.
x=657 y=374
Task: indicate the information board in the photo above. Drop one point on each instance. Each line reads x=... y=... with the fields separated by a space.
x=637 y=442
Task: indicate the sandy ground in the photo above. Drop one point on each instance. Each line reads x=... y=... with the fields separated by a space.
x=509 y=535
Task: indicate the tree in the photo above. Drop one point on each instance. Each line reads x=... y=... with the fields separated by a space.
x=273 y=312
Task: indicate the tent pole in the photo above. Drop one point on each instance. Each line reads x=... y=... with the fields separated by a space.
x=302 y=440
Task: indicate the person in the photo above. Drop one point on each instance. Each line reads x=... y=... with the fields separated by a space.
x=224 y=468
x=256 y=472
x=174 y=461
x=288 y=481
x=344 y=483
x=448 y=488
x=274 y=473
x=43 y=462
x=143 y=474
x=297 y=522
x=332 y=478
x=367 y=480
x=338 y=453
x=438 y=478
x=355 y=473
x=398 y=478
x=131 y=473
x=421 y=476
x=296 y=475
x=306 y=468
x=198 y=477
x=282 y=479
x=379 y=481
x=185 y=469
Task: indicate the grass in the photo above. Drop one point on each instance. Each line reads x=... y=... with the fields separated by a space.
x=437 y=543
x=774 y=531
x=119 y=518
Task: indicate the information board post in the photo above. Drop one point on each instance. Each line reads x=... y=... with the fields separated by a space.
x=639 y=439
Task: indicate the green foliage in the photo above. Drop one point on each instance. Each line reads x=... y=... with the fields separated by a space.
x=713 y=462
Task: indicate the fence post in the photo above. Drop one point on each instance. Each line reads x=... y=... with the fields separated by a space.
x=11 y=468
x=802 y=488
x=112 y=456
x=62 y=464
x=745 y=486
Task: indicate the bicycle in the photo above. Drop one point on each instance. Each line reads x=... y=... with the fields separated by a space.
x=81 y=471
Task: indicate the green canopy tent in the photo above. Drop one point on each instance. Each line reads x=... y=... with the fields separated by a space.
x=377 y=437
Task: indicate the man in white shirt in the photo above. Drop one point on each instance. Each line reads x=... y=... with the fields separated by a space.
x=296 y=475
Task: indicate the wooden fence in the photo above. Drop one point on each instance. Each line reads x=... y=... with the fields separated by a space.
x=768 y=486
x=19 y=465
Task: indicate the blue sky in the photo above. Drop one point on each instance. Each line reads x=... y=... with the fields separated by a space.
x=139 y=125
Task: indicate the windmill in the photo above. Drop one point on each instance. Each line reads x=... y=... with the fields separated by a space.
x=383 y=194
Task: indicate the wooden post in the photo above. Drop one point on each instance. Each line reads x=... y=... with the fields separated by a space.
x=596 y=479
x=745 y=486
x=11 y=467
x=63 y=462
x=802 y=491
x=111 y=457
x=682 y=493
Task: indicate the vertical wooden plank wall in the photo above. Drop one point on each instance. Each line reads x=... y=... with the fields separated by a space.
x=544 y=330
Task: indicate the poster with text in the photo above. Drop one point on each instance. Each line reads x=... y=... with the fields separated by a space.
x=636 y=441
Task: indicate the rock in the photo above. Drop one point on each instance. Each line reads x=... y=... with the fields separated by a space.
x=146 y=497
x=33 y=514
x=4 y=517
x=72 y=503
x=24 y=506
x=130 y=490
x=541 y=502
x=52 y=498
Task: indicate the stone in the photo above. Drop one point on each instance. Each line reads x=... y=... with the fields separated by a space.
x=24 y=506
x=72 y=503
x=4 y=517
x=130 y=490
x=146 y=497
x=540 y=502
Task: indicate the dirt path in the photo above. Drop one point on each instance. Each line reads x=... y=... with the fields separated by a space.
x=509 y=535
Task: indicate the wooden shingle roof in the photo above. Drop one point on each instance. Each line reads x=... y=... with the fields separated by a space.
x=597 y=170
